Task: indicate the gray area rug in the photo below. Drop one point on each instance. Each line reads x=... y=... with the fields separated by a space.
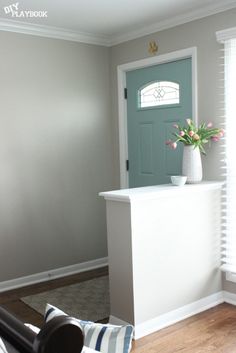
x=87 y=300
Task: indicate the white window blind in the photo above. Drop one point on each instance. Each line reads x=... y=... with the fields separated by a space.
x=228 y=37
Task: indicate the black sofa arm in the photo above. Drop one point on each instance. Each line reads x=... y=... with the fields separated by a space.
x=62 y=334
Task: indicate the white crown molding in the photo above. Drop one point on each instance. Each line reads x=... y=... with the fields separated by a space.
x=108 y=41
x=174 y=21
x=52 y=32
x=52 y=274
x=226 y=34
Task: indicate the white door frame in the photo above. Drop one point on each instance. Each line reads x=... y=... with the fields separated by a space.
x=122 y=103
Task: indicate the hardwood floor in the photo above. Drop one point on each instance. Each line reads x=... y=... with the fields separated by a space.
x=213 y=331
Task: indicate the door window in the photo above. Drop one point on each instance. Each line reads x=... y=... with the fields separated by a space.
x=158 y=93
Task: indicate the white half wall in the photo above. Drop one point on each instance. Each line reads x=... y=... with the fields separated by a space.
x=163 y=253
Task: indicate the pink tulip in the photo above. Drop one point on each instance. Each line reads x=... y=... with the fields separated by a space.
x=188 y=121
x=168 y=142
x=173 y=145
x=181 y=133
x=209 y=124
x=215 y=138
x=220 y=134
x=222 y=131
x=175 y=126
x=191 y=133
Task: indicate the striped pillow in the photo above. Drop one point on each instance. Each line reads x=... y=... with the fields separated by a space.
x=103 y=338
x=3 y=348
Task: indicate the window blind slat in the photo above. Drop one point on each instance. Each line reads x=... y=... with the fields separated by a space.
x=228 y=165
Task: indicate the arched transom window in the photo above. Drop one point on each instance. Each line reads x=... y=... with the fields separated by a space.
x=159 y=93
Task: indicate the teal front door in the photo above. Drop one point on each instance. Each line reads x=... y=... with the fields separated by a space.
x=157 y=97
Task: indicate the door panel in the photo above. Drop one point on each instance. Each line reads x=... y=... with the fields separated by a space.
x=146 y=151
x=151 y=162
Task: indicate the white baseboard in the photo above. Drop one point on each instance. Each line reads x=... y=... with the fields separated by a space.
x=174 y=316
x=179 y=314
x=229 y=298
x=53 y=274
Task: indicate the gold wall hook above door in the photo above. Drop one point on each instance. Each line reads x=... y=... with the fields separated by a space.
x=152 y=47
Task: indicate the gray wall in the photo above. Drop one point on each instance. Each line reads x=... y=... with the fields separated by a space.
x=199 y=33
x=55 y=153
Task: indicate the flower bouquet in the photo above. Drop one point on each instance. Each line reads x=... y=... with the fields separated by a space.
x=196 y=136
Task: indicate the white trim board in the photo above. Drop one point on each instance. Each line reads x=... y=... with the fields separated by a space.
x=122 y=103
x=226 y=34
x=52 y=32
x=173 y=316
x=230 y=276
x=110 y=40
x=52 y=274
x=174 y=21
x=179 y=314
x=229 y=298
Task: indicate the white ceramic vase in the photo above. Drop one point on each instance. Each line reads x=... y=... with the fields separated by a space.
x=192 y=164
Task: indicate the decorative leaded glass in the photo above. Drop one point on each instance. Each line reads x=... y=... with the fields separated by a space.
x=159 y=93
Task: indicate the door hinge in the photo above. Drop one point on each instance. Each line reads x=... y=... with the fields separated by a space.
x=125 y=93
x=127 y=164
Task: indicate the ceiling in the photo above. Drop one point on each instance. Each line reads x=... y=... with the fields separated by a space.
x=105 y=22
